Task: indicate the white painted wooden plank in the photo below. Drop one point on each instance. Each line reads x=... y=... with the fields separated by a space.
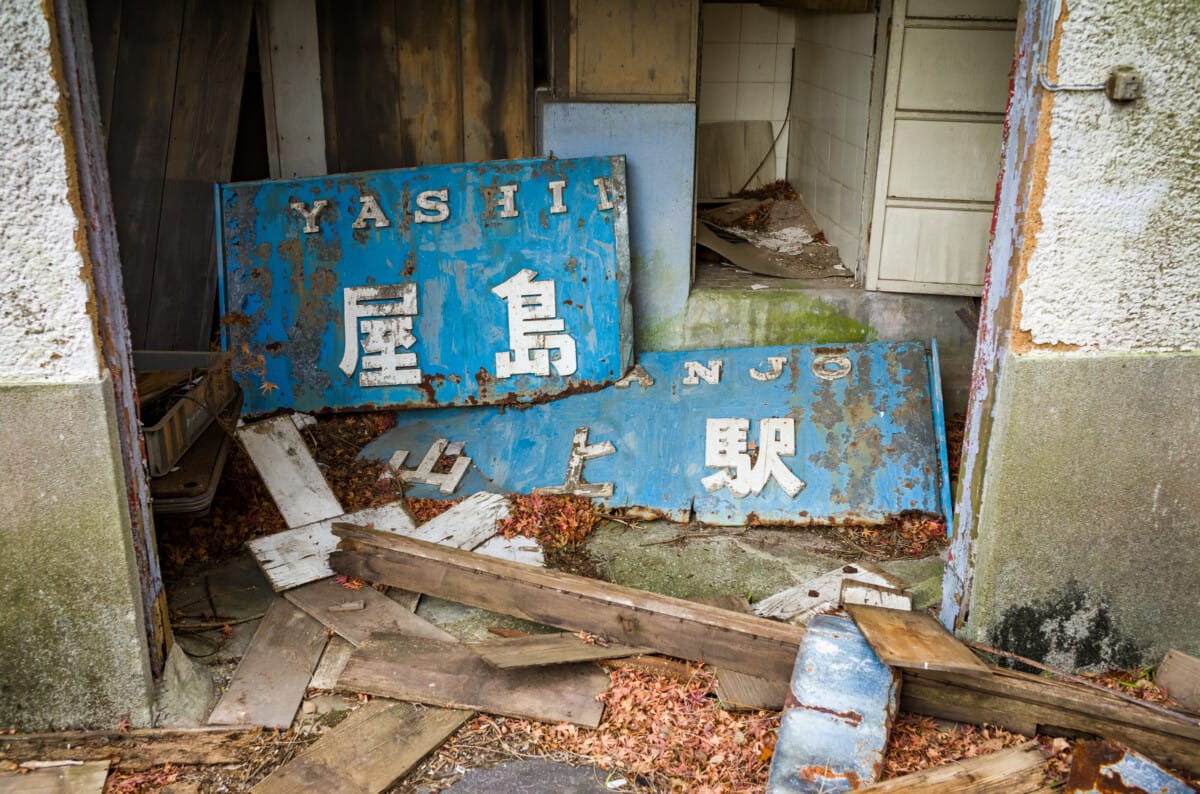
x=466 y=525
x=797 y=604
x=956 y=70
x=957 y=9
x=292 y=87
x=945 y=160
x=520 y=549
x=299 y=556
x=935 y=245
x=288 y=470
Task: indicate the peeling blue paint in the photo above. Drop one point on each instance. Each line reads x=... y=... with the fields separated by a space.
x=449 y=285
x=840 y=708
x=859 y=417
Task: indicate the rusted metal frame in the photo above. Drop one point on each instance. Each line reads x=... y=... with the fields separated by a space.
x=75 y=48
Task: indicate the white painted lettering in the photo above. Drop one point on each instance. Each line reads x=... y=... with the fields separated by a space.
x=370 y=211
x=774 y=372
x=605 y=188
x=507 y=201
x=310 y=216
x=379 y=320
x=726 y=447
x=436 y=210
x=556 y=192
x=534 y=330
x=697 y=372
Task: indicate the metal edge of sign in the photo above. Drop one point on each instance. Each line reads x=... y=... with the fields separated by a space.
x=939 y=433
x=624 y=266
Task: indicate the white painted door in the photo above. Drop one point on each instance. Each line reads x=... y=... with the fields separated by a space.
x=939 y=156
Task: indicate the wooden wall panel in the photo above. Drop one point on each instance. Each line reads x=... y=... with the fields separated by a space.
x=627 y=50
x=144 y=93
x=362 y=69
x=409 y=84
x=208 y=97
x=104 y=21
x=497 y=77
x=430 y=69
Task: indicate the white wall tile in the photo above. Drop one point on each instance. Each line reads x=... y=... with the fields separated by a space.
x=862 y=33
x=783 y=63
x=719 y=62
x=721 y=21
x=779 y=101
x=786 y=26
x=858 y=83
x=760 y=25
x=718 y=102
x=754 y=101
x=756 y=63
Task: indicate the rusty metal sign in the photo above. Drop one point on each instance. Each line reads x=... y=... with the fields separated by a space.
x=486 y=283
x=807 y=434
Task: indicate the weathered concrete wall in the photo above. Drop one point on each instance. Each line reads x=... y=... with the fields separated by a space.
x=73 y=648
x=1077 y=515
x=1117 y=262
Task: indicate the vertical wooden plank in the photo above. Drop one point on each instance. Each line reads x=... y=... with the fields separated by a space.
x=430 y=76
x=104 y=20
x=290 y=64
x=497 y=78
x=364 y=71
x=143 y=96
x=329 y=104
x=208 y=93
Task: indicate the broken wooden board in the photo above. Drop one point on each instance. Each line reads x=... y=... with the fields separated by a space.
x=1017 y=770
x=270 y=680
x=299 y=556
x=466 y=525
x=1032 y=704
x=539 y=650
x=289 y=471
x=368 y=752
x=914 y=641
x=742 y=692
x=874 y=595
x=139 y=748
x=618 y=614
x=451 y=676
x=333 y=661
x=71 y=778
x=357 y=614
x=1109 y=767
x=1179 y=675
x=797 y=604
x=739 y=691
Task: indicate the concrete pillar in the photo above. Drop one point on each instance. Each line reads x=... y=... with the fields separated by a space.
x=1078 y=532
x=73 y=647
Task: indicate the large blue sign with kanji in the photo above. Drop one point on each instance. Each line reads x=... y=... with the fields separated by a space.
x=489 y=283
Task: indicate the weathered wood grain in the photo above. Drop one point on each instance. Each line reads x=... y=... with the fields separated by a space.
x=539 y=650
x=914 y=641
x=451 y=676
x=357 y=614
x=208 y=96
x=369 y=751
x=138 y=137
x=1031 y=704
x=1179 y=674
x=497 y=79
x=1017 y=770
x=333 y=661
x=289 y=471
x=86 y=778
x=139 y=748
x=619 y=614
x=430 y=70
x=270 y=680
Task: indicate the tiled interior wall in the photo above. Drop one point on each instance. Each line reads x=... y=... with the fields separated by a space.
x=828 y=124
x=746 y=67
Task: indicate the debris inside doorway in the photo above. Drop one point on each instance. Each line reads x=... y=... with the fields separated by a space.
x=785 y=241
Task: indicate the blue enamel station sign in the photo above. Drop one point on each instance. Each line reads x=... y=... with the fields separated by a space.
x=491 y=283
